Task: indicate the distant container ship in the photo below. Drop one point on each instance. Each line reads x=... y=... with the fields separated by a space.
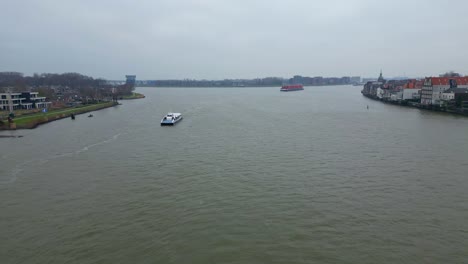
x=290 y=88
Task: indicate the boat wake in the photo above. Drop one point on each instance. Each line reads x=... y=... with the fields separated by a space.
x=84 y=149
x=20 y=167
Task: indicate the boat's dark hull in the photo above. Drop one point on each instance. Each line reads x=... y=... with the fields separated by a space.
x=171 y=123
x=291 y=90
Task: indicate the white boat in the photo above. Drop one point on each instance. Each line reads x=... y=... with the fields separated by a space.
x=170 y=119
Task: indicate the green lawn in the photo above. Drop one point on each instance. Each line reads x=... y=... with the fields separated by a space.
x=68 y=111
x=133 y=96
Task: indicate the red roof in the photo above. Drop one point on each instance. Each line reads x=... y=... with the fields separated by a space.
x=419 y=84
x=446 y=80
x=413 y=84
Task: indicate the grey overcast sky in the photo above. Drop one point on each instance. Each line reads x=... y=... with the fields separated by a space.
x=216 y=39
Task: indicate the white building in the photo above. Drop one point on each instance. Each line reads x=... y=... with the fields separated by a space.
x=24 y=100
x=34 y=101
x=410 y=94
x=380 y=93
x=13 y=100
x=447 y=96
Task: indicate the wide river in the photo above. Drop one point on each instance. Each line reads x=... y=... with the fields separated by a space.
x=251 y=175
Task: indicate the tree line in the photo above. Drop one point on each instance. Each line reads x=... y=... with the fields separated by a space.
x=84 y=85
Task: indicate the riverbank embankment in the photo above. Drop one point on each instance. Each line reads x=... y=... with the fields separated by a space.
x=34 y=120
x=434 y=108
x=132 y=96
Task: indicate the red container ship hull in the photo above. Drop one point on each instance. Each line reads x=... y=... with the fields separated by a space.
x=291 y=88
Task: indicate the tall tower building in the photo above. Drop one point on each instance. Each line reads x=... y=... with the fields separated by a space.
x=130 y=80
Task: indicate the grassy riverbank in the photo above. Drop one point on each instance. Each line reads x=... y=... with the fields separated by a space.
x=133 y=96
x=33 y=120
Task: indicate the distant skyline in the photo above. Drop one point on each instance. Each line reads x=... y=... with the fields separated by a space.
x=212 y=39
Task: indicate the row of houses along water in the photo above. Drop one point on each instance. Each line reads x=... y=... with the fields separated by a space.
x=430 y=92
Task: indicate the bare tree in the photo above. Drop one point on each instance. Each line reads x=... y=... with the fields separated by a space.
x=450 y=74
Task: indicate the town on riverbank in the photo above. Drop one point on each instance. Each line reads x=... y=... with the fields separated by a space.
x=446 y=93
x=28 y=101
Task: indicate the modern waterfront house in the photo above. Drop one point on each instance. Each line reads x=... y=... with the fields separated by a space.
x=23 y=100
x=34 y=101
x=11 y=99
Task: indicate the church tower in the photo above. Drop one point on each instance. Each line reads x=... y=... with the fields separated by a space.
x=381 y=79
